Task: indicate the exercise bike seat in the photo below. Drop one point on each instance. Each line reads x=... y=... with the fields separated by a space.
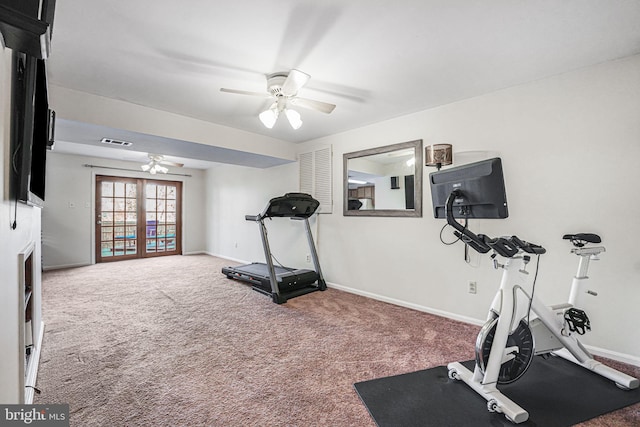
x=580 y=239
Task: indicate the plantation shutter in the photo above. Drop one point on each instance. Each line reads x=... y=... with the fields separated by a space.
x=315 y=177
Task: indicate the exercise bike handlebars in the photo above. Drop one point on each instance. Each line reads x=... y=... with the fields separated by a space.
x=505 y=246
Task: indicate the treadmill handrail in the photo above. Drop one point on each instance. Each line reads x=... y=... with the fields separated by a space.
x=252 y=217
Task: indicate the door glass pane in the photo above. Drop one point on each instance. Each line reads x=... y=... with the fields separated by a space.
x=131 y=190
x=119 y=189
x=107 y=189
x=107 y=234
x=107 y=204
x=107 y=249
x=117 y=204
x=171 y=244
x=161 y=210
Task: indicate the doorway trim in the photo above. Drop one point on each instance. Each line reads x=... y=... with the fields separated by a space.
x=142 y=227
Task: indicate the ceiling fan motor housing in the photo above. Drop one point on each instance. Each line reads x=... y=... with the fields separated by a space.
x=275 y=82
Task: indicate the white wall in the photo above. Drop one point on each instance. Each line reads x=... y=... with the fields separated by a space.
x=67 y=218
x=13 y=242
x=569 y=146
x=236 y=191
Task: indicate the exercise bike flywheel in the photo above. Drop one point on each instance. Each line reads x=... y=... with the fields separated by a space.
x=522 y=338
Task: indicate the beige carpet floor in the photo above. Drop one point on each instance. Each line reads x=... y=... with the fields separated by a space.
x=172 y=342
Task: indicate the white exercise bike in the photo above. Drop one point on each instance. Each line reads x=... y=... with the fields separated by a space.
x=519 y=326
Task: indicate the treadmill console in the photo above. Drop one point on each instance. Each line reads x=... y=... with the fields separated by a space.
x=291 y=205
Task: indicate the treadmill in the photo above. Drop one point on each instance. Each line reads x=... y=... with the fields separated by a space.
x=279 y=282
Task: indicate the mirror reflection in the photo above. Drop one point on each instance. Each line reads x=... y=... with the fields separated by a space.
x=384 y=181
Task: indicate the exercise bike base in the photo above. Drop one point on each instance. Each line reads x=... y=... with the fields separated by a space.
x=497 y=402
x=622 y=380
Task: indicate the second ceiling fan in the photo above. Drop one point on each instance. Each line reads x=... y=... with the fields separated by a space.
x=156 y=164
x=284 y=87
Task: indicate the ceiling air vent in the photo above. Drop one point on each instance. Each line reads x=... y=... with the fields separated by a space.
x=116 y=142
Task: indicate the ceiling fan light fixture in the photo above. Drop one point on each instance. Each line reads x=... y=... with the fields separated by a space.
x=157 y=168
x=156 y=162
x=269 y=117
x=283 y=88
x=294 y=118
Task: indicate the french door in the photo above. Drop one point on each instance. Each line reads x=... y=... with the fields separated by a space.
x=137 y=218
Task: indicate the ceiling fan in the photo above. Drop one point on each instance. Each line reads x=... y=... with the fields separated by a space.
x=283 y=87
x=155 y=164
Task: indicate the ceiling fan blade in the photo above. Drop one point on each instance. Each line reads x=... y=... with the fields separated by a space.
x=294 y=82
x=311 y=104
x=168 y=163
x=245 y=92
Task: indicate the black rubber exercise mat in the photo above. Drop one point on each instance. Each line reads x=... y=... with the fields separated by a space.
x=554 y=391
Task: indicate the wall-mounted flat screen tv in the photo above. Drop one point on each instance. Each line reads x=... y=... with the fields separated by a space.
x=32 y=124
x=479 y=187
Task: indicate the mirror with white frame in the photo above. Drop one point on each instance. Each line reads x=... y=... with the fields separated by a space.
x=384 y=181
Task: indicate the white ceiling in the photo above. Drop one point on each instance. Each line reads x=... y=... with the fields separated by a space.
x=374 y=59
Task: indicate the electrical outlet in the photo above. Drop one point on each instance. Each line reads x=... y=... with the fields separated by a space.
x=308 y=258
x=473 y=287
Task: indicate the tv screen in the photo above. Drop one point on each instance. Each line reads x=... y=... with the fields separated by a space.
x=480 y=186
x=31 y=129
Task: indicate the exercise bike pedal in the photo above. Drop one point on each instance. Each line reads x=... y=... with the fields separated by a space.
x=577 y=320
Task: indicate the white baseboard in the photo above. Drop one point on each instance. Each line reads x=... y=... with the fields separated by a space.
x=241 y=261
x=614 y=355
x=406 y=304
x=32 y=373
x=609 y=354
x=60 y=267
